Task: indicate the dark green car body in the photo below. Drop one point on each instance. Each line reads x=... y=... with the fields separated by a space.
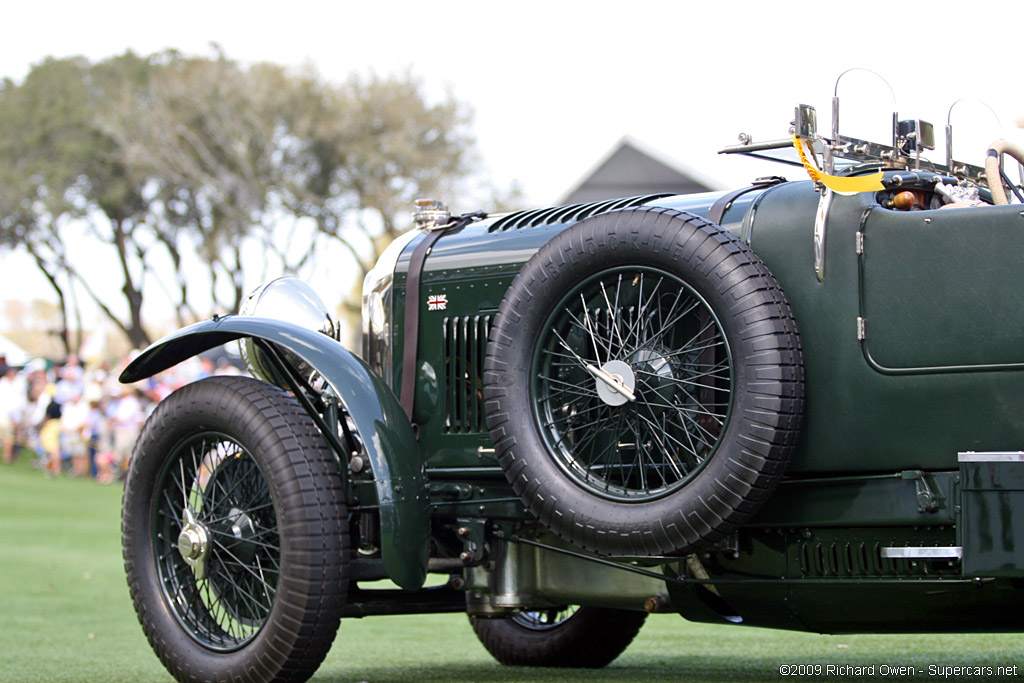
x=935 y=371
x=878 y=487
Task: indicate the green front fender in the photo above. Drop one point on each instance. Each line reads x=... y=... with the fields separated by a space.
x=390 y=444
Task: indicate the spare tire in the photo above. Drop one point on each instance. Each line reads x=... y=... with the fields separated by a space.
x=643 y=383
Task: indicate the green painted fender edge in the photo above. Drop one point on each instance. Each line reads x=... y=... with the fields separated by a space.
x=391 y=446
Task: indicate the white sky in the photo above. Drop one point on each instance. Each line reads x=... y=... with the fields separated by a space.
x=555 y=84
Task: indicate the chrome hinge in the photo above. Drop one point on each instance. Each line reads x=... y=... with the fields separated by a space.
x=860 y=243
x=862 y=329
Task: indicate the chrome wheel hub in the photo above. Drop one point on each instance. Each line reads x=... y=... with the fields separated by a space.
x=615 y=382
x=194 y=543
x=658 y=377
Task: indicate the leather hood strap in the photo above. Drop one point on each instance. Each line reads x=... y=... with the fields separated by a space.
x=411 y=326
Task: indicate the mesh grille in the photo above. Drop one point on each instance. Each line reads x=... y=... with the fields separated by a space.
x=568 y=214
x=465 y=342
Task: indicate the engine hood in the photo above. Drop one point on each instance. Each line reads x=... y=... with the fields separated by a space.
x=509 y=240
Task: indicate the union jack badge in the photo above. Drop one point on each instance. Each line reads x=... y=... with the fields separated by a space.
x=437 y=302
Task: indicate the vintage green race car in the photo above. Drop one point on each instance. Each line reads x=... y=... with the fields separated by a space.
x=795 y=405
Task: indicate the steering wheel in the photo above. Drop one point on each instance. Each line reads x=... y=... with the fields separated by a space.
x=992 y=159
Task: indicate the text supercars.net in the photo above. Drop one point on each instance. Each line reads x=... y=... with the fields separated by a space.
x=897 y=671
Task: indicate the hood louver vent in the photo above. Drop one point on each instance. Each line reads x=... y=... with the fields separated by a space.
x=465 y=341
x=567 y=214
x=826 y=560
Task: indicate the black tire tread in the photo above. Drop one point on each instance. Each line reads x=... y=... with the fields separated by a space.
x=772 y=416
x=592 y=638
x=312 y=522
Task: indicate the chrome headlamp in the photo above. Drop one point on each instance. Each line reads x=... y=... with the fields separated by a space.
x=290 y=300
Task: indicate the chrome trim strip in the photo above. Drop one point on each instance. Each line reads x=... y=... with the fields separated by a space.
x=925 y=553
x=991 y=456
x=820 y=219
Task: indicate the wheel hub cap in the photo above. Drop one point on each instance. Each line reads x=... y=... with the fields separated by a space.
x=194 y=543
x=621 y=373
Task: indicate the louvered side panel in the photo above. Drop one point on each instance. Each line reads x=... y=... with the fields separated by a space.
x=465 y=340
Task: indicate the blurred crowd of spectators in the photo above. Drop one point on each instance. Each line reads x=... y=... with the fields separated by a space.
x=80 y=420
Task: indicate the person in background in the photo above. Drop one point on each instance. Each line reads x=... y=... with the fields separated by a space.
x=226 y=368
x=126 y=417
x=74 y=427
x=49 y=430
x=99 y=436
x=70 y=380
x=38 y=393
x=12 y=404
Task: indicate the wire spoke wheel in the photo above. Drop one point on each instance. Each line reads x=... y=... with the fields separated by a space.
x=545 y=619
x=644 y=383
x=633 y=383
x=222 y=592
x=235 y=534
x=566 y=636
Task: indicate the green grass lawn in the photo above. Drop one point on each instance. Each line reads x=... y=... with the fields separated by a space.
x=65 y=615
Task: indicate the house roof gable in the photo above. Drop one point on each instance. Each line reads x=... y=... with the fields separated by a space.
x=632 y=168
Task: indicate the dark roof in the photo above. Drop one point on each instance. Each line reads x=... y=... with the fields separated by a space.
x=631 y=168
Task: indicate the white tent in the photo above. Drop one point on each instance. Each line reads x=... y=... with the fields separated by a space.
x=14 y=353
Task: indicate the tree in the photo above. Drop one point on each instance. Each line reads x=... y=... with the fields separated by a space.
x=59 y=169
x=43 y=150
x=363 y=151
x=246 y=152
x=198 y=131
x=172 y=161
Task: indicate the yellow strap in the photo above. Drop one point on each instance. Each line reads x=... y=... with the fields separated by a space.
x=839 y=184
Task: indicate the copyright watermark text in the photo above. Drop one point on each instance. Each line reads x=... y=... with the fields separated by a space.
x=896 y=671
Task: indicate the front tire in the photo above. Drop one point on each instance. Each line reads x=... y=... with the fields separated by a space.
x=234 y=534
x=579 y=637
